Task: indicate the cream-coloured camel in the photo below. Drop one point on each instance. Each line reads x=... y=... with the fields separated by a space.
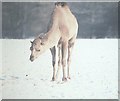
x=60 y=39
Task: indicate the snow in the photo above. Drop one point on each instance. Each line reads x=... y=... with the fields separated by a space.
x=94 y=71
x=0 y=69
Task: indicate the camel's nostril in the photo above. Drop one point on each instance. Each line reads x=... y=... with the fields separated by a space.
x=31 y=58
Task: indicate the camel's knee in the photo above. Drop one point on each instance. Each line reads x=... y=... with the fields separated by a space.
x=59 y=63
x=63 y=63
x=53 y=63
x=71 y=44
x=69 y=60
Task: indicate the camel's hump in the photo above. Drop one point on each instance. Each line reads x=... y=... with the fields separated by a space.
x=61 y=4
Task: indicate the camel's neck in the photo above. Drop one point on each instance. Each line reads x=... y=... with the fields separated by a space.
x=53 y=35
x=52 y=38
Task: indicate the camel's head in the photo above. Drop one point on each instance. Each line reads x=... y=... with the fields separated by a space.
x=37 y=47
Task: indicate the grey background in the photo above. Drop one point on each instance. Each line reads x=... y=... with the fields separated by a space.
x=119 y=19
x=28 y=19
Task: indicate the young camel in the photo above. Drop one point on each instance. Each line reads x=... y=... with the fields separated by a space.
x=60 y=39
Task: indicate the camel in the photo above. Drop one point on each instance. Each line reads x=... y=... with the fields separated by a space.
x=59 y=38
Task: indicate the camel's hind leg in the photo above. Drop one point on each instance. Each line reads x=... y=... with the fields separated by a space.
x=64 y=54
x=54 y=61
x=70 y=48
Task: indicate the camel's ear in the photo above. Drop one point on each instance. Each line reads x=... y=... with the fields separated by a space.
x=40 y=37
x=42 y=43
x=31 y=42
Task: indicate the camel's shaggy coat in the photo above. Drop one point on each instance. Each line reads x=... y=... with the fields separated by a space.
x=60 y=39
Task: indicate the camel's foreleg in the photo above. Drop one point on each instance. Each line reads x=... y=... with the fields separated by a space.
x=59 y=60
x=54 y=61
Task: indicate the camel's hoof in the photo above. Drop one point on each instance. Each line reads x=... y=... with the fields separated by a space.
x=53 y=79
x=69 y=77
x=64 y=79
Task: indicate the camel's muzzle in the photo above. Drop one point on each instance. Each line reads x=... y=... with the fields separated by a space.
x=31 y=58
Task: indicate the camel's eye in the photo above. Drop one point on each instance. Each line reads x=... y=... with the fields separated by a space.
x=38 y=50
x=42 y=43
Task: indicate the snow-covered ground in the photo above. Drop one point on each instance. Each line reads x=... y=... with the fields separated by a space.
x=0 y=69
x=94 y=72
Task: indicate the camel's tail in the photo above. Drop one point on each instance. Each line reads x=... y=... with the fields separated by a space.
x=61 y=4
